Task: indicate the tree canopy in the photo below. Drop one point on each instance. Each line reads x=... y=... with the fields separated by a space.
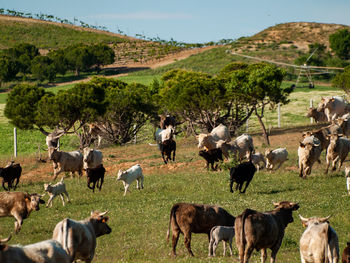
x=340 y=43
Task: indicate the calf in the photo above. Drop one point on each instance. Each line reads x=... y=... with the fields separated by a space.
x=319 y=116
x=319 y=242
x=244 y=172
x=66 y=161
x=241 y=146
x=337 y=150
x=309 y=152
x=48 y=251
x=9 y=174
x=346 y=254
x=168 y=147
x=130 y=175
x=274 y=157
x=78 y=238
x=256 y=230
x=195 y=218
x=92 y=158
x=19 y=205
x=95 y=176
x=211 y=156
x=218 y=233
x=258 y=158
x=55 y=190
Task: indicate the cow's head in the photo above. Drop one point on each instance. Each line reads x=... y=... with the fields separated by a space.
x=47 y=187
x=54 y=154
x=321 y=105
x=33 y=201
x=313 y=220
x=121 y=175
x=99 y=222
x=286 y=208
x=203 y=140
x=268 y=153
x=311 y=112
x=88 y=153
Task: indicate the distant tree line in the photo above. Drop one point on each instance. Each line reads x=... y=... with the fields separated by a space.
x=25 y=59
x=198 y=100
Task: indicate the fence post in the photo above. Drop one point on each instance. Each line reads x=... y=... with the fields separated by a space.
x=15 y=141
x=311 y=105
x=247 y=124
x=279 y=115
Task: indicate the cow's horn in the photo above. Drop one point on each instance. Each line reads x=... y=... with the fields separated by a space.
x=2 y=241
x=276 y=204
x=324 y=219
x=103 y=213
x=303 y=218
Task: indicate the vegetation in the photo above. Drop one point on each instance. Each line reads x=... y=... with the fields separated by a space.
x=340 y=43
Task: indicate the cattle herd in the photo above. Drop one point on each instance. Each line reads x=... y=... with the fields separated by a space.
x=73 y=240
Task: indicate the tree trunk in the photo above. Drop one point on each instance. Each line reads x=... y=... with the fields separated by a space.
x=265 y=134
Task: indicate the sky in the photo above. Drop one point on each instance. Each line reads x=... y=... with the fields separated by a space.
x=190 y=21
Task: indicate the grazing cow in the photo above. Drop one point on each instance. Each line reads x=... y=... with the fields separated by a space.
x=274 y=157
x=241 y=146
x=336 y=106
x=319 y=242
x=211 y=156
x=337 y=150
x=243 y=172
x=166 y=120
x=257 y=158
x=92 y=158
x=66 y=162
x=209 y=140
x=95 y=176
x=256 y=230
x=19 y=205
x=218 y=233
x=9 y=174
x=309 y=152
x=167 y=147
x=347 y=176
x=346 y=254
x=319 y=116
x=195 y=218
x=78 y=238
x=48 y=251
x=55 y=190
x=130 y=175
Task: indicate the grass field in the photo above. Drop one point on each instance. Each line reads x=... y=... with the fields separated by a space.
x=139 y=221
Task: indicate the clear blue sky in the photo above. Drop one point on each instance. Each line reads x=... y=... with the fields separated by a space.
x=189 y=20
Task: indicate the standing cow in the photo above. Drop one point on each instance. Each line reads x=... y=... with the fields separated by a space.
x=19 y=205
x=319 y=242
x=333 y=107
x=92 y=158
x=195 y=218
x=309 y=152
x=256 y=230
x=78 y=238
x=66 y=162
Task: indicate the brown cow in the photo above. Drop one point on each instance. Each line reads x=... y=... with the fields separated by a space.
x=256 y=230
x=19 y=205
x=195 y=218
x=346 y=254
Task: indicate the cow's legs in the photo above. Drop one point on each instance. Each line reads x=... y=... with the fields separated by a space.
x=211 y=243
x=50 y=201
x=327 y=165
x=341 y=162
x=224 y=242
x=176 y=235
x=138 y=183
x=18 y=222
x=274 y=251
x=188 y=242
x=141 y=182
x=263 y=255
x=246 y=186
x=230 y=246
x=126 y=186
x=3 y=185
x=17 y=181
x=174 y=155
x=62 y=197
x=68 y=199
x=164 y=158
x=248 y=252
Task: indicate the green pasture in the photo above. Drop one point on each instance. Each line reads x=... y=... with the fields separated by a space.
x=140 y=220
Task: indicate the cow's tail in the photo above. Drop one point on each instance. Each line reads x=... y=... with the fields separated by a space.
x=172 y=216
x=245 y=214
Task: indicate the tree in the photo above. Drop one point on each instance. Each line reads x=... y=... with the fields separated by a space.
x=42 y=68
x=8 y=69
x=22 y=105
x=340 y=43
x=59 y=61
x=342 y=80
x=79 y=58
x=103 y=55
x=128 y=110
x=23 y=53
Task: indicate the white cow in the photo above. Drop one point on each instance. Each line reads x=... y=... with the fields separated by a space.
x=309 y=152
x=66 y=161
x=78 y=238
x=241 y=146
x=336 y=106
x=209 y=141
x=319 y=242
x=337 y=150
x=130 y=175
x=274 y=157
x=92 y=158
x=48 y=251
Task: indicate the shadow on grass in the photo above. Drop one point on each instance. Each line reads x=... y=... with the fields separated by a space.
x=276 y=191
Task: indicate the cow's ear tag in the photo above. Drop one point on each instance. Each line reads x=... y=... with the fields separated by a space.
x=104 y=220
x=304 y=225
x=27 y=199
